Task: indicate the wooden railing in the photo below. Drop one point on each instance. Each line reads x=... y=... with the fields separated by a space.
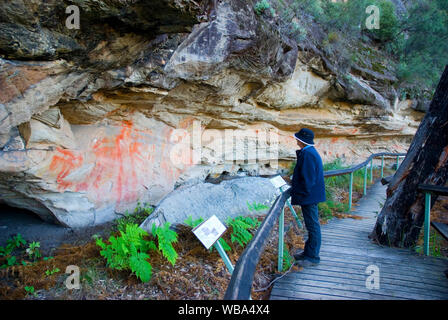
x=240 y=285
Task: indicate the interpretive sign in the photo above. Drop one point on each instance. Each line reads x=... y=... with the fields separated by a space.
x=209 y=231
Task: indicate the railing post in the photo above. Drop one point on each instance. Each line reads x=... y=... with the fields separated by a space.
x=296 y=217
x=281 y=231
x=350 y=192
x=382 y=166
x=427 y=222
x=371 y=171
x=365 y=180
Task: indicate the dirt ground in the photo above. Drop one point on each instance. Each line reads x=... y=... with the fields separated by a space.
x=197 y=274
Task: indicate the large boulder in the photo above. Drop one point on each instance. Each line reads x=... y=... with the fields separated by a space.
x=230 y=198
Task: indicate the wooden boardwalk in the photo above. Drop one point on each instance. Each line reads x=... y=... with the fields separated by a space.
x=346 y=252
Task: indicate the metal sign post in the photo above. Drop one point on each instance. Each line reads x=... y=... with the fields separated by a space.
x=281 y=184
x=209 y=232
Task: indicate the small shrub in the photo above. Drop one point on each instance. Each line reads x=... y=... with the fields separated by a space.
x=30 y=291
x=33 y=250
x=51 y=272
x=129 y=250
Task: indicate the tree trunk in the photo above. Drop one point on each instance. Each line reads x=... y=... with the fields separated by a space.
x=402 y=216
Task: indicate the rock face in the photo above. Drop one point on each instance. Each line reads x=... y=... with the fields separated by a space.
x=144 y=96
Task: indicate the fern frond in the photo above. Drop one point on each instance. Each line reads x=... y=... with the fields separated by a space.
x=166 y=237
x=141 y=267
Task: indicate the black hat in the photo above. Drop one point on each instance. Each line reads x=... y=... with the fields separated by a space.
x=306 y=136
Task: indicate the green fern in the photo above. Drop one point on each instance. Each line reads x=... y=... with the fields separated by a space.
x=241 y=227
x=166 y=237
x=139 y=264
x=129 y=251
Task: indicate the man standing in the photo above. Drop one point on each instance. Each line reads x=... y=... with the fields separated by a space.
x=308 y=189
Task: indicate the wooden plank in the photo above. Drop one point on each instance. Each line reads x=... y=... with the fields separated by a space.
x=349 y=235
x=402 y=257
x=406 y=262
x=435 y=289
x=396 y=273
x=385 y=273
x=281 y=294
x=345 y=228
x=296 y=287
x=385 y=263
x=361 y=288
x=422 y=292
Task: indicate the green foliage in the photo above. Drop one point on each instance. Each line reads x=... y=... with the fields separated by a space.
x=10 y=261
x=30 y=291
x=435 y=244
x=389 y=24
x=193 y=223
x=13 y=243
x=288 y=259
x=165 y=238
x=256 y=206
x=224 y=244
x=51 y=272
x=261 y=6
x=129 y=250
x=415 y=43
x=33 y=250
x=16 y=242
x=241 y=229
x=422 y=47
x=137 y=217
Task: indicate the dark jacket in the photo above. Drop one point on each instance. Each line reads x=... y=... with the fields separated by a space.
x=308 y=185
